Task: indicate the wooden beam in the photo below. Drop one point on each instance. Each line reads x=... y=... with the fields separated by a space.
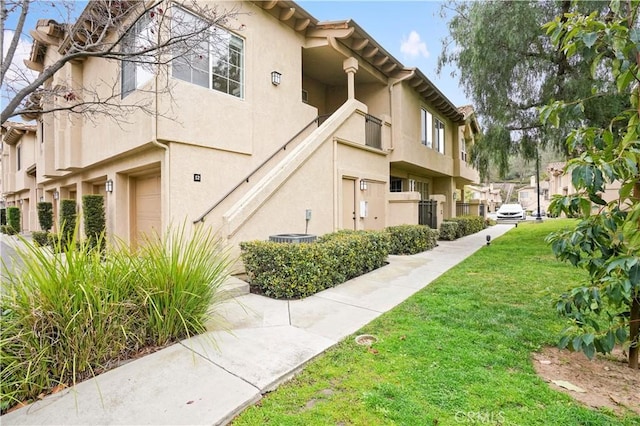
x=392 y=66
x=359 y=44
x=287 y=13
x=381 y=61
x=370 y=52
x=268 y=5
x=301 y=24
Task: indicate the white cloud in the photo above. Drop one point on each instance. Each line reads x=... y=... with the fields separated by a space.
x=413 y=46
x=18 y=74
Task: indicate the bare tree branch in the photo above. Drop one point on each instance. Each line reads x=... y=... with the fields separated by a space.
x=128 y=32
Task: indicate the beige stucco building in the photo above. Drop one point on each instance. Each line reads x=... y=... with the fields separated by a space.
x=312 y=127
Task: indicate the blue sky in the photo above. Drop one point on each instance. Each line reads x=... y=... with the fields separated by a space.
x=414 y=25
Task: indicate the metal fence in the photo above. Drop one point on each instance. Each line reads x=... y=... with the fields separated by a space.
x=463 y=209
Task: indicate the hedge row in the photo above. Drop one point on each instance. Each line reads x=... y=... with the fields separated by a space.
x=412 y=239
x=287 y=271
x=464 y=225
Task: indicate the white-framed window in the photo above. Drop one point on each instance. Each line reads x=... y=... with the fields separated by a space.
x=426 y=128
x=137 y=69
x=215 y=62
x=439 y=135
x=463 y=149
x=432 y=131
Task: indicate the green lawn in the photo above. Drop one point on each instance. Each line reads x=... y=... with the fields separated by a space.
x=457 y=352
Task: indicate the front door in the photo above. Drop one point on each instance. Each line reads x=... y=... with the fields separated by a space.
x=348 y=203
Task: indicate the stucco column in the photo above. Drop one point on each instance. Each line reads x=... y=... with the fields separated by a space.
x=350 y=66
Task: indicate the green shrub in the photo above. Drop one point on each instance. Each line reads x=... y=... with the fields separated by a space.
x=3 y=216
x=13 y=220
x=94 y=219
x=66 y=317
x=468 y=225
x=6 y=229
x=68 y=212
x=45 y=215
x=448 y=230
x=412 y=239
x=41 y=238
x=287 y=271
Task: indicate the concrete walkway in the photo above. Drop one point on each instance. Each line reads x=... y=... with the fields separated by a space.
x=211 y=378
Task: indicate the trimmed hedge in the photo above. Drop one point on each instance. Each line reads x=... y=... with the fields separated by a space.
x=286 y=271
x=68 y=214
x=412 y=239
x=41 y=238
x=94 y=219
x=45 y=215
x=468 y=225
x=13 y=220
x=448 y=230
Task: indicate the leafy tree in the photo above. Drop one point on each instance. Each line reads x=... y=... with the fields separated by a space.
x=100 y=32
x=605 y=242
x=509 y=68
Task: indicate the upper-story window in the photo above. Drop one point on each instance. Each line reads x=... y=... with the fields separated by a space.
x=439 y=135
x=18 y=157
x=431 y=131
x=216 y=62
x=137 y=70
x=463 y=149
x=426 y=128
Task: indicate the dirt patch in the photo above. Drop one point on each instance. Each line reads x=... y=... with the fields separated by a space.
x=604 y=382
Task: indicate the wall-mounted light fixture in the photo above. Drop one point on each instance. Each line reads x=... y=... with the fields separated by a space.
x=363 y=185
x=108 y=186
x=56 y=195
x=41 y=198
x=455 y=196
x=276 y=77
x=21 y=201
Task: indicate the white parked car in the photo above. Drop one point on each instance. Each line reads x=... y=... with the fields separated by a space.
x=511 y=211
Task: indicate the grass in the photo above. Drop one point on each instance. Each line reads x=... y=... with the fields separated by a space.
x=73 y=312
x=457 y=352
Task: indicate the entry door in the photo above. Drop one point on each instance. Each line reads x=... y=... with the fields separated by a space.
x=146 y=217
x=348 y=203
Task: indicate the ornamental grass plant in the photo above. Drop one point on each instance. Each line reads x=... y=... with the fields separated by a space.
x=73 y=312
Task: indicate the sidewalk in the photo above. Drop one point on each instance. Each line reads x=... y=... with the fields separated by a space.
x=211 y=378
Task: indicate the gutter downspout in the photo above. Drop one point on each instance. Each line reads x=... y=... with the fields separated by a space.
x=393 y=124
x=165 y=174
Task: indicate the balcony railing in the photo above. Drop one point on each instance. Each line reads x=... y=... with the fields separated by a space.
x=463 y=209
x=373 y=131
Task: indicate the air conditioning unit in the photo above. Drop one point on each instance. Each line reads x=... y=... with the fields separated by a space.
x=293 y=238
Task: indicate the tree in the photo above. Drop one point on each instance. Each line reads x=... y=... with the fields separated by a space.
x=606 y=242
x=509 y=68
x=140 y=34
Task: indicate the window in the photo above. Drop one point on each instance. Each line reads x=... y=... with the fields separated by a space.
x=431 y=130
x=19 y=157
x=136 y=69
x=216 y=62
x=439 y=136
x=395 y=184
x=463 y=149
x=426 y=128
